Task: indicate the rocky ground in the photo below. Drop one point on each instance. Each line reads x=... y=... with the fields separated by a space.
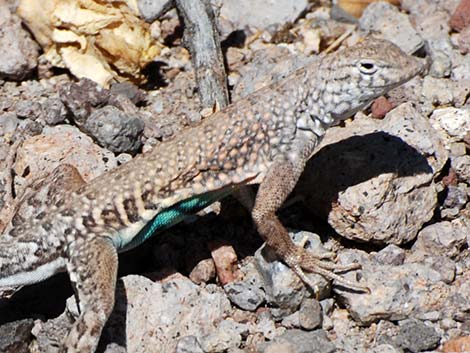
x=389 y=189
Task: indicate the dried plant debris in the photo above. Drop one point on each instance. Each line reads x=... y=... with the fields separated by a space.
x=98 y=40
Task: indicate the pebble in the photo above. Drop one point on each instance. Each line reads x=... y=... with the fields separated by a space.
x=19 y=56
x=115 y=130
x=15 y=337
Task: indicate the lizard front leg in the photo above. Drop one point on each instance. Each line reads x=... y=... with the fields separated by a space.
x=93 y=271
x=273 y=191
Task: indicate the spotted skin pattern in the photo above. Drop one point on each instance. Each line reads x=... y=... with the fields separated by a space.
x=265 y=138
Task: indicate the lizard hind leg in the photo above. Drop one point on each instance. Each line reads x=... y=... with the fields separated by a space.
x=93 y=270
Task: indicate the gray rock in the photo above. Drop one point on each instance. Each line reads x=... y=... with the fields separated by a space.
x=82 y=98
x=437 y=91
x=415 y=336
x=150 y=10
x=268 y=328
x=391 y=255
x=300 y=342
x=393 y=25
x=15 y=337
x=310 y=314
x=434 y=29
x=227 y=335
x=27 y=109
x=380 y=186
x=19 y=56
x=247 y=293
x=461 y=165
x=259 y=13
x=51 y=333
x=442 y=238
x=115 y=130
x=410 y=290
x=8 y=123
x=442 y=264
x=188 y=344
x=284 y=290
x=54 y=111
x=457 y=196
x=144 y=308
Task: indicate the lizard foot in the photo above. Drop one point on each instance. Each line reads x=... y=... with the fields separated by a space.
x=305 y=260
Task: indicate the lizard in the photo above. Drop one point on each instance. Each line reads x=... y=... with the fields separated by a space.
x=265 y=138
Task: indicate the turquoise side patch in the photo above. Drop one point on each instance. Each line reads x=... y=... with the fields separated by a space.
x=175 y=214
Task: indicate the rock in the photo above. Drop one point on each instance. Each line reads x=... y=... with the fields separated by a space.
x=299 y=342
x=457 y=196
x=411 y=290
x=415 y=336
x=442 y=238
x=380 y=186
x=128 y=90
x=434 y=29
x=391 y=255
x=310 y=314
x=247 y=293
x=259 y=13
x=464 y=41
x=440 y=263
x=188 y=344
x=150 y=10
x=461 y=67
x=146 y=312
x=456 y=345
x=115 y=130
x=203 y=272
x=461 y=165
x=8 y=123
x=461 y=17
x=28 y=109
x=19 y=56
x=225 y=260
x=267 y=327
x=54 y=111
x=115 y=348
x=393 y=25
x=380 y=107
x=284 y=289
x=82 y=98
x=451 y=123
x=15 y=337
x=50 y=334
x=62 y=144
x=437 y=92
x=227 y=335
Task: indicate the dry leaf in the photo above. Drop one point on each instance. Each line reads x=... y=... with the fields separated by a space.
x=100 y=40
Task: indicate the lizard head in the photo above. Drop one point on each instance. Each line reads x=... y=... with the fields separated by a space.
x=353 y=77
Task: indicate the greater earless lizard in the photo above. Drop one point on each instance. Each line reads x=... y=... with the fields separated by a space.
x=265 y=138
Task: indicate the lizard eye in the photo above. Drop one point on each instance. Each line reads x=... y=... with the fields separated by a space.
x=367 y=67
